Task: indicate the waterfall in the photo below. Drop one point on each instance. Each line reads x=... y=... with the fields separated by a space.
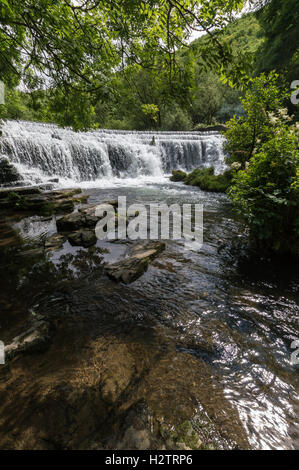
x=41 y=151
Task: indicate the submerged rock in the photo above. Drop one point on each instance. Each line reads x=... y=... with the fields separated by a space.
x=132 y=267
x=55 y=242
x=83 y=237
x=35 y=339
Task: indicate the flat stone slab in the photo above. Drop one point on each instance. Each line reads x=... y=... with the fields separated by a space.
x=4 y=192
x=36 y=200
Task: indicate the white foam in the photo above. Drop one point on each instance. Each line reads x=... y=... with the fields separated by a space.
x=106 y=158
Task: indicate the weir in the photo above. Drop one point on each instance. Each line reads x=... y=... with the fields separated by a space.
x=40 y=151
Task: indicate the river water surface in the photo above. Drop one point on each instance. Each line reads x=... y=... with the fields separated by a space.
x=209 y=331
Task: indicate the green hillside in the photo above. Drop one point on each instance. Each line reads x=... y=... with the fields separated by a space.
x=245 y=34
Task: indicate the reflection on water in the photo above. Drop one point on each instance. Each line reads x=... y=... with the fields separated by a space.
x=209 y=332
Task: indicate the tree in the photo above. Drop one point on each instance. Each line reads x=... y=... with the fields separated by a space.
x=79 y=42
x=280 y=23
x=261 y=104
x=265 y=157
x=267 y=194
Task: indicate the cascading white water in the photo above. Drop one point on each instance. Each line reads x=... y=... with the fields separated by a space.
x=42 y=151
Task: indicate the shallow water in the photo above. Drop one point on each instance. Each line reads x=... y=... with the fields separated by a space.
x=210 y=330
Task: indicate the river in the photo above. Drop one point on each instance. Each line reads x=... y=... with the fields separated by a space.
x=203 y=336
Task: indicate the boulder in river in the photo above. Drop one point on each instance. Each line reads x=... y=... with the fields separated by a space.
x=82 y=237
x=85 y=218
x=71 y=222
x=136 y=264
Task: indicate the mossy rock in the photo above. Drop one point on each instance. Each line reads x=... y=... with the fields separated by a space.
x=178 y=175
x=207 y=181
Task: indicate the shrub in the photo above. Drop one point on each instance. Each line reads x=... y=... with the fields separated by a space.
x=267 y=194
x=263 y=148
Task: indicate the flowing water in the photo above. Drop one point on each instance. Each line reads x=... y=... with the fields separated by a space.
x=209 y=331
x=41 y=151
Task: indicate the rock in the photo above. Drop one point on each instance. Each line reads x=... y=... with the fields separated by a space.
x=131 y=268
x=182 y=446
x=88 y=238
x=46 y=202
x=127 y=270
x=35 y=339
x=61 y=205
x=64 y=193
x=33 y=252
x=138 y=439
x=56 y=136
x=4 y=193
x=8 y=173
x=147 y=249
x=178 y=175
x=90 y=209
x=54 y=180
x=35 y=200
x=55 y=242
x=83 y=238
x=71 y=222
x=115 y=381
x=8 y=236
x=113 y=202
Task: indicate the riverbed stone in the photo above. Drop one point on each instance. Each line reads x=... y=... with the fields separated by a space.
x=71 y=222
x=84 y=218
x=83 y=237
x=35 y=339
x=136 y=439
x=131 y=268
x=54 y=242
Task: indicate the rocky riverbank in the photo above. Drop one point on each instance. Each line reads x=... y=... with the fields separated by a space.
x=39 y=200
